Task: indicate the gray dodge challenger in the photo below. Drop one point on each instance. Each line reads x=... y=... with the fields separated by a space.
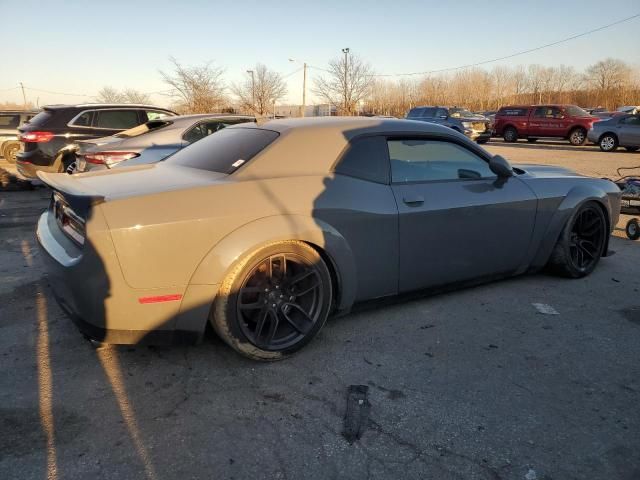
x=264 y=231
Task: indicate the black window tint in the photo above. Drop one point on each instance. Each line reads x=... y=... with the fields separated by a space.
x=540 y=112
x=429 y=112
x=415 y=112
x=631 y=121
x=441 y=112
x=417 y=160
x=513 y=112
x=83 y=120
x=9 y=121
x=225 y=151
x=117 y=119
x=196 y=133
x=365 y=158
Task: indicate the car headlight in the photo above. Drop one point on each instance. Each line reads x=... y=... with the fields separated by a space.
x=468 y=125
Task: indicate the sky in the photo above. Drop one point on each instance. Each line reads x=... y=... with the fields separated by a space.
x=78 y=47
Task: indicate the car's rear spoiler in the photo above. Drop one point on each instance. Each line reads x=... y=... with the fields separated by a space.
x=73 y=191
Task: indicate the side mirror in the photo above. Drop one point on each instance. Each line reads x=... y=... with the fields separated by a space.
x=500 y=166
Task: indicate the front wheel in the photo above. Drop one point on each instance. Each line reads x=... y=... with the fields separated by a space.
x=274 y=301
x=632 y=229
x=581 y=243
x=578 y=136
x=608 y=142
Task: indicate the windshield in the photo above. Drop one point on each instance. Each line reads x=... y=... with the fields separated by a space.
x=574 y=111
x=460 y=113
x=142 y=129
x=224 y=151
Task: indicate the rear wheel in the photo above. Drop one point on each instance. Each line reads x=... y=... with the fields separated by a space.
x=10 y=150
x=578 y=136
x=274 y=301
x=632 y=149
x=632 y=229
x=608 y=142
x=510 y=135
x=581 y=243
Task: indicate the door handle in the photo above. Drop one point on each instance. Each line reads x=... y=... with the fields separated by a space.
x=413 y=199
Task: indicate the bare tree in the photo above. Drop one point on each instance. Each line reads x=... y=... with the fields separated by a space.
x=109 y=95
x=348 y=81
x=134 y=96
x=260 y=91
x=607 y=78
x=197 y=89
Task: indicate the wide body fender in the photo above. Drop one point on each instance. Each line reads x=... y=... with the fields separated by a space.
x=221 y=259
x=557 y=219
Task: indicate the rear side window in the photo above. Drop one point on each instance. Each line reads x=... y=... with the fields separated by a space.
x=142 y=129
x=415 y=112
x=513 y=112
x=225 y=151
x=9 y=121
x=84 y=120
x=365 y=158
x=116 y=119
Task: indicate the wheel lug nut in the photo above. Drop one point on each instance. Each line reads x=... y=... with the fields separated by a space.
x=274 y=305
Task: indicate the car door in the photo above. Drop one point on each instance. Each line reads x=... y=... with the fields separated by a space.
x=537 y=122
x=457 y=220
x=557 y=122
x=629 y=131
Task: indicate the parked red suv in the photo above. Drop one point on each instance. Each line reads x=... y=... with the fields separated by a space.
x=537 y=121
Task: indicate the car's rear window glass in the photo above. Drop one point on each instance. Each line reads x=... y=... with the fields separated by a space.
x=513 y=112
x=41 y=118
x=366 y=158
x=84 y=120
x=225 y=151
x=9 y=121
x=142 y=129
x=117 y=119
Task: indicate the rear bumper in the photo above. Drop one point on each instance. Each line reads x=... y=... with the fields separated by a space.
x=88 y=285
x=29 y=170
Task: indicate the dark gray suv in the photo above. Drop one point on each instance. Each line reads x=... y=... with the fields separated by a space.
x=476 y=127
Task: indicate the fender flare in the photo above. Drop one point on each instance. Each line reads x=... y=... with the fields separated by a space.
x=224 y=255
x=577 y=196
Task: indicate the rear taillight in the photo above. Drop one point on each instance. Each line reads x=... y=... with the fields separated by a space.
x=36 y=137
x=109 y=158
x=68 y=221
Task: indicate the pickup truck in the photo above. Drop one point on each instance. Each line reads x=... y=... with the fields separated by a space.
x=542 y=121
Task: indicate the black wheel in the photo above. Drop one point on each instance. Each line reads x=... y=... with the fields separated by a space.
x=510 y=135
x=532 y=140
x=632 y=149
x=10 y=150
x=581 y=243
x=632 y=229
x=608 y=142
x=274 y=301
x=578 y=136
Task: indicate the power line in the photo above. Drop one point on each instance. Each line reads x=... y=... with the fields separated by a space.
x=59 y=93
x=523 y=52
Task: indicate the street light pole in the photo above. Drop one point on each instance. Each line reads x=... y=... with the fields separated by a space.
x=304 y=87
x=253 y=91
x=346 y=75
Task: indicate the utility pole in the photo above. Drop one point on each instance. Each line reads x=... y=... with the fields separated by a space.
x=253 y=91
x=304 y=89
x=24 y=97
x=346 y=76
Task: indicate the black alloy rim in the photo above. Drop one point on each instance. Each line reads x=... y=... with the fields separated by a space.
x=280 y=301
x=587 y=238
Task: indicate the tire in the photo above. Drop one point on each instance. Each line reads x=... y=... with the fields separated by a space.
x=608 y=142
x=569 y=257
x=10 y=150
x=532 y=140
x=632 y=149
x=510 y=135
x=578 y=137
x=256 y=295
x=632 y=229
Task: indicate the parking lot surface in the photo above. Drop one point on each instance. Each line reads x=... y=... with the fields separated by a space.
x=472 y=384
